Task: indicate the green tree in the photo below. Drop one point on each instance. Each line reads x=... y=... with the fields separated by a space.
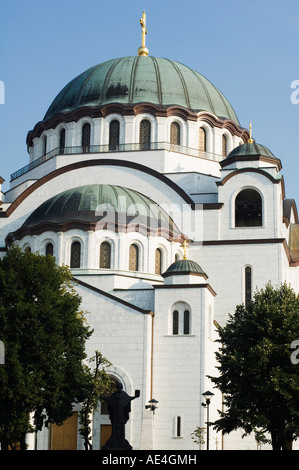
x=198 y=435
x=99 y=382
x=258 y=379
x=44 y=334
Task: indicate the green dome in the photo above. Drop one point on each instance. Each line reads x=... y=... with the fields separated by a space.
x=250 y=149
x=184 y=266
x=101 y=206
x=138 y=79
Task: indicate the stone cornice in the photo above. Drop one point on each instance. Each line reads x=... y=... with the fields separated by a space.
x=133 y=110
x=93 y=227
x=186 y=286
x=251 y=158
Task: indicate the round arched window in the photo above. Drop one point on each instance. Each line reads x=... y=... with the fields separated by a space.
x=105 y=255
x=114 y=135
x=75 y=255
x=180 y=319
x=248 y=209
x=202 y=140
x=175 y=133
x=133 y=257
x=145 y=134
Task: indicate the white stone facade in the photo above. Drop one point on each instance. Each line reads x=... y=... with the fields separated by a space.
x=131 y=311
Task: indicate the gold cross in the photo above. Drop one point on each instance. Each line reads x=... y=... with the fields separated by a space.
x=143 y=27
x=143 y=50
x=184 y=246
x=250 y=134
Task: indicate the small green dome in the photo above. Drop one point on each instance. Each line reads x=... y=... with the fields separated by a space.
x=184 y=266
x=101 y=206
x=138 y=79
x=250 y=149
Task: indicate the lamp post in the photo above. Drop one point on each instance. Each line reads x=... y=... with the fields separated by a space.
x=152 y=406
x=207 y=395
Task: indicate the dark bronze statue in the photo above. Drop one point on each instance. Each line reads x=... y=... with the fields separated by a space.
x=119 y=408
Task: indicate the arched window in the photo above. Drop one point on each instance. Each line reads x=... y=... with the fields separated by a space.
x=158 y=261
x=202 y=140
x=224 y=146
x=175 y=322
x=186 y=322
x=145 y=134
x=49 y=249
x=44 y=146
x=114 y=135
x=178 y=426
x=175 y=133
x=248 y=209
x=181 y=319
x=86 y=138
x=105 y=255
x=133 y=258
x=62 y=141
x=75 y=255
x=177 y=257
x=247 y=285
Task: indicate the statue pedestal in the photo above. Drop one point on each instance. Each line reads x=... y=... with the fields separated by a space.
x=117 y=444
x=147 y=431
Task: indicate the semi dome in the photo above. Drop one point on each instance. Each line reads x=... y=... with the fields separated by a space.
x=97 y=207
x=140 y=79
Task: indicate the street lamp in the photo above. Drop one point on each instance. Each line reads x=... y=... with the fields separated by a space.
x=207 y=395
x=152 y=406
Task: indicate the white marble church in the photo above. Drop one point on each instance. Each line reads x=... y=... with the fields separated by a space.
x=169 y=214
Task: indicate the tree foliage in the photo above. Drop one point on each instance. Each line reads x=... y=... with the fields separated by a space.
x=198 y=435
x=99 y=382
x=259 y=382
x=44 y=334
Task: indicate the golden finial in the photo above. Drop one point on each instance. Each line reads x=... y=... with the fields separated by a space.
x=250 y=134
x=143 y=50
x=184 y=246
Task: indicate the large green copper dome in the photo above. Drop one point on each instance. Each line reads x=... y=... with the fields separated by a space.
x=138 y=79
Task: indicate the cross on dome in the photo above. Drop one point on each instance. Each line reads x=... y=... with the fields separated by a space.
x=143 y=50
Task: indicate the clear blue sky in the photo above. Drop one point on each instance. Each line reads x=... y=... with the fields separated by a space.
x=248 y=49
